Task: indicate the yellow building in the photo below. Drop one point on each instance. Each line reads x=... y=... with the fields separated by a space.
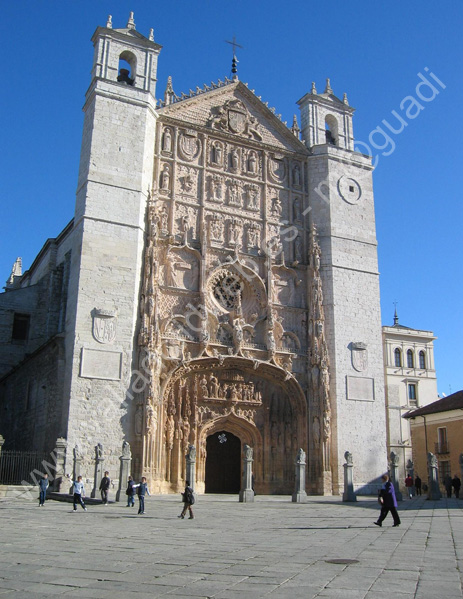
x=438 y=428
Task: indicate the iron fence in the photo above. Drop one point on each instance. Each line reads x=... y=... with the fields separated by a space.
x=27 y=466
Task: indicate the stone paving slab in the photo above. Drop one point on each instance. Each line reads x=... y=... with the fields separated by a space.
x=271 y=548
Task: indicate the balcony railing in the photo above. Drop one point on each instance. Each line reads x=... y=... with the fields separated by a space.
x=442 y=447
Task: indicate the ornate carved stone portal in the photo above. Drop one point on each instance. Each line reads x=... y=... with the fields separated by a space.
x=232 y=325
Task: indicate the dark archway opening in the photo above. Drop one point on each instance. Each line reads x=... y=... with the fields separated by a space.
x=223 y=463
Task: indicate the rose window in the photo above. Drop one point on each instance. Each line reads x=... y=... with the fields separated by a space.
x=227 y=290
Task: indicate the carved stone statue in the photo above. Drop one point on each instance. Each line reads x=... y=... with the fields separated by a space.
x=165 y=178
x=126 y=449
x=348 y=457
x=248 y=451
x=167 y=141
x=252 y=163
x=234 y=159
x=99 y=451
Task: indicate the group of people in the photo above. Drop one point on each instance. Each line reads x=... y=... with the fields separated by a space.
x=452 y=483
x=409 y=483
x=140 y=489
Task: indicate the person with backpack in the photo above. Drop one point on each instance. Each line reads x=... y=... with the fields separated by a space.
x=130 y=492
x=188 y=500
x=142 y=490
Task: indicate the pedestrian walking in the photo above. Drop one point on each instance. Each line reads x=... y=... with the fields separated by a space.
x=448 y=485
x=130 y=492
x=456 y=484
x=142 y=490
x=388 y=501
x=418 y=485
x=409 y=485
x=43 y=486
x=78 y=490
x=104 y=488
x=188 y=500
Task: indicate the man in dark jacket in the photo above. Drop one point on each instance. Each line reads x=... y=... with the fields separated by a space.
x=43 y=486
x=104 y=487
x=130 y=492
x=456 y=484
x=188 y=501
x=388 y=502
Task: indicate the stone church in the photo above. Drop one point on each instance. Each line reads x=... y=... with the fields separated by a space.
x=218 y=286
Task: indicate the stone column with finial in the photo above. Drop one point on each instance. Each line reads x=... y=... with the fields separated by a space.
x=300 y=495
x=191 y=466
x=349 y=494
x=394 y=466
x=126 y=465
x=433 y=478
x=60 y=456
x=99 y=461
x=247 y=493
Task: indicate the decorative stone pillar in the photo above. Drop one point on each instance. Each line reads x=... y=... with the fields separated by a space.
x=126 y=465
x=411 y=471
x=349 y=494
x=299 y=495
x=60 y=457
x=2 y=441
x=99 y=461
x=394 y=465
x=433 y=478
x=190 y=473
x=246 y=493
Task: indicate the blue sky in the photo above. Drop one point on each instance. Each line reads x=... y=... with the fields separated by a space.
x=371 y=50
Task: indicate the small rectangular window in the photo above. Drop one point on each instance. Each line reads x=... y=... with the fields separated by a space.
x=20 y=330
x=412 y=393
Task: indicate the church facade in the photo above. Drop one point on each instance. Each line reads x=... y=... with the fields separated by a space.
x=218 y=286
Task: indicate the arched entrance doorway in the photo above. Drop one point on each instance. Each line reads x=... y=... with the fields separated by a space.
x=223 y=463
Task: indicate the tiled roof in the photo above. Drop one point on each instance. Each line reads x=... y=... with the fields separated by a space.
x=446 y=404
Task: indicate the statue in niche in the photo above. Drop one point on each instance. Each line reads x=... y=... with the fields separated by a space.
x=165 y=178
x=271 y=346
x=234 y=232
x=296 y=174
x=167 y=141
x=233 y=392
x=203 y=387
x=77 y=453
x=234 y=159
x=253 y=238
x=217 y=229
x=139 y=419
x=174 y=274
x=150 y=419
x=252 y=163
x=238 y=333
x=276 y=207
x=216 y=188
x=234 y=194
x=214 y=385
x=253 y=197
x=170 y=429
x=217 y=153
x=163 y=220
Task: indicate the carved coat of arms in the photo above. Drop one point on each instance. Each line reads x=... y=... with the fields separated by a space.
x=104 y=326
x=359 y=356
x=189 y=145
x=237 y=121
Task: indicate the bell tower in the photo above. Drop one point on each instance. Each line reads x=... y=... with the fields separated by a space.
x=342 y=209
x=115 y=176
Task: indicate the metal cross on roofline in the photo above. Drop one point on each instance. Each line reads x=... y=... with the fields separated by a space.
x=235 y=60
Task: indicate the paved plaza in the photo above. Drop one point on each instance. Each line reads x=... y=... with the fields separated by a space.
x=230 y=550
